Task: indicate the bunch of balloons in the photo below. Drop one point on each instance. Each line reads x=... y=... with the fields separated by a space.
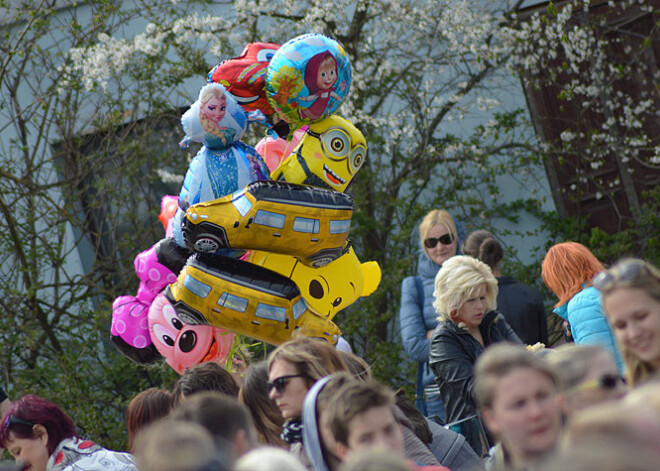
x=248 y=252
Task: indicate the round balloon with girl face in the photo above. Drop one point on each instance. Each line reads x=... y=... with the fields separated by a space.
x=308 y=78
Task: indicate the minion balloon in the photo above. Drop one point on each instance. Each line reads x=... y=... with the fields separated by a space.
x=329 y=156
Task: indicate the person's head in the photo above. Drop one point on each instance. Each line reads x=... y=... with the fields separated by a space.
x=268 y=458
x=213 y=104
x=617 y=453
x=226 y=419
x=266 y=416
x=294 y=366
x=439 y=236
x=360 y=416
x=631 y=301
x=316 y=432
x=483 y=246
x=207 y=376
x=567 y=267
x=517 y=393
x=616 y=421
x=588 y=375
x=32 y=428
x=148 y=406
x=465 y=290
x=172 y=445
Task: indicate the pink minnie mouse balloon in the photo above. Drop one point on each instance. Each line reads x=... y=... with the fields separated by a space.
x=184 y=345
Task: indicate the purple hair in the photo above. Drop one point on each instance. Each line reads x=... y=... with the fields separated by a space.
x=312 y=70
x=31 y=408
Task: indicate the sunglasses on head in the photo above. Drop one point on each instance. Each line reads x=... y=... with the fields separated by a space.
x=431 y=242
x=279 y=384
x=626 y=272
x=13 y=420
x=606 y=382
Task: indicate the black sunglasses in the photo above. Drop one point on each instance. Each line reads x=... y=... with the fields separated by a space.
x=606 y=382
x=279 y=384
x=13 y=420
x=431 y=242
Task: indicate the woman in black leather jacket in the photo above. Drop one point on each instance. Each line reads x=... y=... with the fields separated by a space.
x=465 y=300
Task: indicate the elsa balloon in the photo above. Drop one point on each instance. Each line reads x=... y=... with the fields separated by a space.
x=224 y=164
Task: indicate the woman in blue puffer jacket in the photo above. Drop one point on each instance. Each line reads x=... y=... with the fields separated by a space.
x=567 y=270
x=440 y=239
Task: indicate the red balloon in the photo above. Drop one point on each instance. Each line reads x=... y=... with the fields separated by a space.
x=245 y=76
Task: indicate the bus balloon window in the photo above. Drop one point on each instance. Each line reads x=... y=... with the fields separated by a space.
x=299 y=308
x=306 y=225
x=241 y=202
x=267 y=218
x=233 y=302
x=196 y=287
x=339 y=227
x=266 y=311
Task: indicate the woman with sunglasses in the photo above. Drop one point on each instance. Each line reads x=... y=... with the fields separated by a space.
x=465 y=301
x=439 y=239
x=37 y=433
x=631 y=299
x=588 y=376
x=567 y=270
x=293 y=368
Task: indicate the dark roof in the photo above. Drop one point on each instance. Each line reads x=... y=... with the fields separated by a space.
x=291 y=193
x=245 y=274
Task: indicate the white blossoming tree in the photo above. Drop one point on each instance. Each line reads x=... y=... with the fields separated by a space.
x=90 y=98
x=591 y=74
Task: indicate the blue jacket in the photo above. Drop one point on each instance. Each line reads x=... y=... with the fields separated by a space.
x=584 y=313
x=414 y=321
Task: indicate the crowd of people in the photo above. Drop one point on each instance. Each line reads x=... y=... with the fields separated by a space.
x=491 y=394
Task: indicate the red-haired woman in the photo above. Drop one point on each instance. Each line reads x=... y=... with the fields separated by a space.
x=37 y=433
x=567 y=270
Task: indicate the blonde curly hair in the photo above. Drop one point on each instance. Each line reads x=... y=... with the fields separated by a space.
x=457 y=281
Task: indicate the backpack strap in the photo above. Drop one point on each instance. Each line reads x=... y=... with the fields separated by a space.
x=420 y=366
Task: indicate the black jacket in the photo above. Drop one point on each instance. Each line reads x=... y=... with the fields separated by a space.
x=522 y=307
x=453 y=354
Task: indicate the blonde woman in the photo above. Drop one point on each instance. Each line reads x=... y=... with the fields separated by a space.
x=631 y=300
x=439 y=240
x=465 y=301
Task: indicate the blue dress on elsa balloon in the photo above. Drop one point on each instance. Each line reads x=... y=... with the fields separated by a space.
x=224 y=164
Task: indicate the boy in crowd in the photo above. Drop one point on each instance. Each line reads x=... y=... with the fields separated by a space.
x=360 y=417
x=227 y=420
x=517 y=392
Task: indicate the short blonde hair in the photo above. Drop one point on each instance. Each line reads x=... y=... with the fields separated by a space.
x=458 y=280
x=433 y=218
